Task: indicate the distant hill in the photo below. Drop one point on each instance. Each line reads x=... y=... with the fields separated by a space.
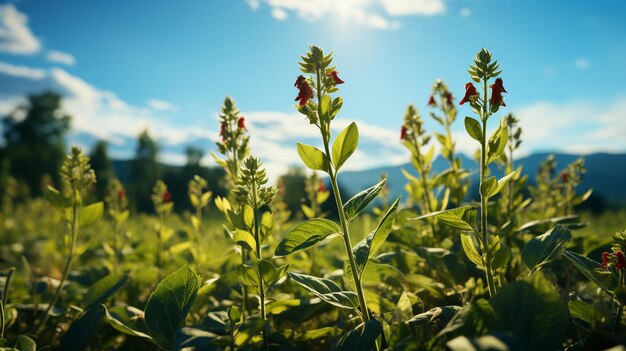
x=606 y=174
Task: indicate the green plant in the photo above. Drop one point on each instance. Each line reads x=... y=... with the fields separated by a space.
x=316 y=103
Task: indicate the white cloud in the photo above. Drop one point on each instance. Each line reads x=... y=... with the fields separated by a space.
x=376 y=14
x=578 y=127
x=162 y=105
x=582 y=63
x=22 y=71
x=465 y=12
x=279 y=14
x=413 y=7
x=15 y=36
x=61 y=57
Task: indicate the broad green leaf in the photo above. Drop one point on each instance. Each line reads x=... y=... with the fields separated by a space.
x=244 y=239
x=496 y=341
x=267 y=224
x=248 y=216
x=470 y=250
x=90 y=214
x=584 y=311
x=248 y=276
x=360 y=201
x=533 y=311
x=268 y=272
x=363 y=337
x=82 y=329
x=461 y=218
x=474 y=129
x=313 y=157
x=593 y=271
x=367 y=247
x=545 y=248
x=501 y=257
x=101 y=290
x=127 y=320
x=194 y=339
x=306 y=234
x=345 y=144
x=25 y=343
x=325 y=103
x=169 y=304
x=327 y=290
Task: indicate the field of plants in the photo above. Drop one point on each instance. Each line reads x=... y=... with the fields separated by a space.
x=516 y=269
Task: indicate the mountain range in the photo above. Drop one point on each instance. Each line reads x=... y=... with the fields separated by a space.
x=606 y=174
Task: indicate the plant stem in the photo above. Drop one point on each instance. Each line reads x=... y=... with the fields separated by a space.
x=5 y=296
x=620 y=305
x=68 y=263
x=257 y=238
x=484 y=200
x=423 y=178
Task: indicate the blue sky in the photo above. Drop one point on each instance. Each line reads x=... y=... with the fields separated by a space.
x=167 y=65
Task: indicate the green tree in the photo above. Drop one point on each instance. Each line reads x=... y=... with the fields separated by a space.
x=101 y=164
x=145 y=171
x=34 y=140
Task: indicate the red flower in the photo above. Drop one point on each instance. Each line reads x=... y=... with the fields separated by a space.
x=299 y=81
x=431 y=101
x=564 y=177
x=605 y=259
x=470 y=90
x=305 y=93
x=167 y=196
x=336 y=79
x=121 y=195
x=403 y=132
x=241 y=123
x=496 y=93
x=621 y=261
x=321 y=188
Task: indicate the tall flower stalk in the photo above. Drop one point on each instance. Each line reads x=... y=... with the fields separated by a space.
x=316 y=103
x=117 y=206
x=233 y=145
x=163 y=205
x=78 y=178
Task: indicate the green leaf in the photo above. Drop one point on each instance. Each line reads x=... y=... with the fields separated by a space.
x=367 y=247
x=25 y=343
x=169 y=304
x=488 y=186
x=101 y=290
x=327 y=290
x=56 y=198
x=533 y=312
x=326 y=332
x=545 y=248
x=82 y=329
x=248 y=276
x=461 y=218
x=128 y=320
x=306 y=234
x=501 y=183
x=593 y=271
x=244 y=239
x=470 y=250
x=325 y=103
x=345 y=144
x=313 y=157
x=360 y=201
x=497 y=141
x=90 y=214
x=248 y=216
x=501 y=258
x=363 y=337
x=474 y=129
x=584 y=311
x=268 y=272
